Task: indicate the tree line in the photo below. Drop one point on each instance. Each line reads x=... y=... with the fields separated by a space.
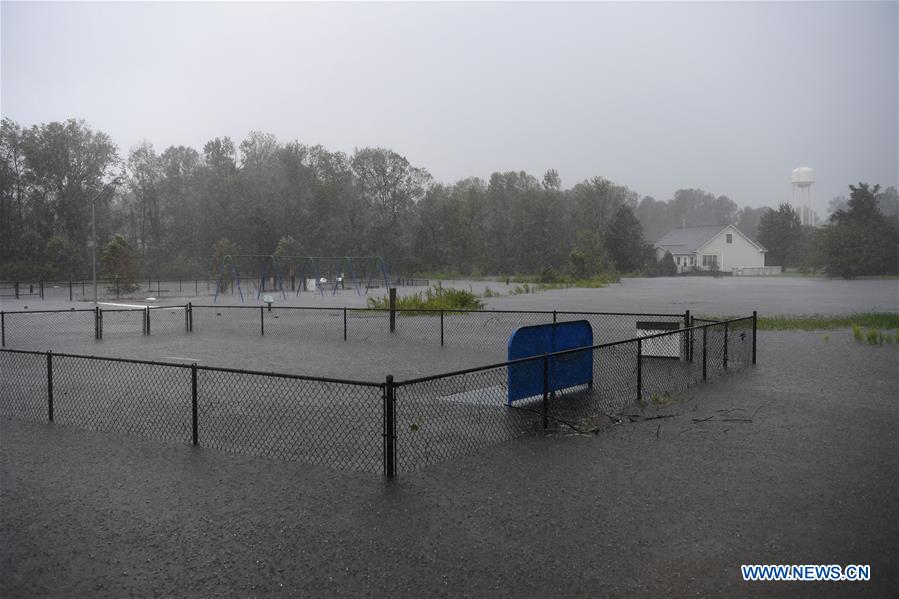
x=861 y=237
x=178 y=210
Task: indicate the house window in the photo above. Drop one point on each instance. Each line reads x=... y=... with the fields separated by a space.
x=677 y=260
x=710 y=261
x=730 y=238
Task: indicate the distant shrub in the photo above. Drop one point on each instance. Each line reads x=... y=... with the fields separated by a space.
x=433 y=298
x=872 y=337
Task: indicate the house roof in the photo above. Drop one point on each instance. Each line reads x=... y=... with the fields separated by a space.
x=688 y=240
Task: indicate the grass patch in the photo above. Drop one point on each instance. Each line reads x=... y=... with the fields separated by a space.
x=824 y=322
x=433 y=298
x=552 y=280
x=664 y=399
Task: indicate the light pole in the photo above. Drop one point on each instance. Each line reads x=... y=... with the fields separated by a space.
x=94 y=232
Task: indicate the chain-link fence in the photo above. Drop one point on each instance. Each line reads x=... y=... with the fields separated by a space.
x=363 y=425
x=319 y=421
x=442 y=416
x=476 y=329
x=82 y=288
x=322 y=421
x=45 y=328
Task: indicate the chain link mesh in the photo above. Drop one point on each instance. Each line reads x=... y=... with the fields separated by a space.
x=41 y=330
x=458 y=414
x=739 y=343
x=486 y=329
x=23 y=386
x=122 y=323
x=319 y=422
x=302 y=325
x=234 y=321
x=166 y=320
x=132 y=398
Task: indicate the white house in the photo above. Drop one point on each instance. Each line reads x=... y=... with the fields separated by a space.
x=713 y=247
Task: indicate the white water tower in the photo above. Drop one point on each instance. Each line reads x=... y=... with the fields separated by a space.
x=803 y=180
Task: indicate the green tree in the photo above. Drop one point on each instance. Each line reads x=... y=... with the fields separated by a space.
x=580 y=264
x=65 y=165
x=289 y=255
x=748 y=220
x=118 y=262
x=666 y=266
x=780 y=233
x=812 y=250
x=861 y=240
x=145 y=173
x=624 y=240
x=62 y=258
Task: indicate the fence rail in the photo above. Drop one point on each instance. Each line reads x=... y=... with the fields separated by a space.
x=458 y=328
x=390 y=426
x=82 y=288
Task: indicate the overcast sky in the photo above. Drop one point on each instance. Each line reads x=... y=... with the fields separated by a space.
x=728 y=97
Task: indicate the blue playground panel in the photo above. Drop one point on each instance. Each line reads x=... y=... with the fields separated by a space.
x=565 y=371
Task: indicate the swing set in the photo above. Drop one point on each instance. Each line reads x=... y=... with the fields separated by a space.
x=335 y=273
x=316 y=273
x=266 y=269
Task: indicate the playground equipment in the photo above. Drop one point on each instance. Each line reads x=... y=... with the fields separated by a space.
x=335 y=273
x=258 y=270
x=306 y=273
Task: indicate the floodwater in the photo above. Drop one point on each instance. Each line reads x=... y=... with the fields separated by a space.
x=700 y=295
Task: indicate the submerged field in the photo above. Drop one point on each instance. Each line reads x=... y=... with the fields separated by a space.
x=725 y=295
x=791 y=462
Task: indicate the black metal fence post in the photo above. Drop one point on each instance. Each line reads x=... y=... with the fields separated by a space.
x=148 y=320
x=725 y=345
x=42 y=288
x=186 y=318
x=554 y=317
x=392 y=295
x=389 y=428
x=344 y=324
x=441 y=327
x=193 y=401
x=190 y=320
x=2 y=329
x=196 y=287
x=16 y=288
x=262 y=321
x=545 y=391
x=755 y=320
x=70 y=290
x=639 y=371
x=705 y=330
x=688 y=345
x=50 y=386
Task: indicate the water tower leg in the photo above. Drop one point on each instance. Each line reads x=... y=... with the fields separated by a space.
x=811 y=192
